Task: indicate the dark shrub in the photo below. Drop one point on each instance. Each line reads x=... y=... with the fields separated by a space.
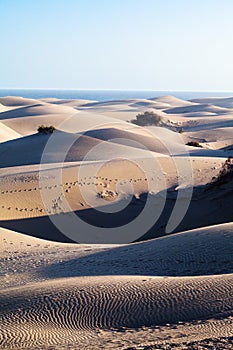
x=46 y=129
x=194 y=144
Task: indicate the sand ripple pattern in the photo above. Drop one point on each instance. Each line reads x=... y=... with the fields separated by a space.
x=69 y=309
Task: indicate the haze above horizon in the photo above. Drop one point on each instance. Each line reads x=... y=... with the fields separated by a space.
x=121 y=45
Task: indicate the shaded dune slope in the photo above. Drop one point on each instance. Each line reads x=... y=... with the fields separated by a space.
x=132 y=139
x=67 y=146
x=197 y=108
x=202 y=212
x=226 y=102
x=197 y=252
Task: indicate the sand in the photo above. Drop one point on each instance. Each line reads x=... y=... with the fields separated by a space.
x=120 y=276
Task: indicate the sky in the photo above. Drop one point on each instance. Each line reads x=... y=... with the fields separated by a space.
x=117 y=44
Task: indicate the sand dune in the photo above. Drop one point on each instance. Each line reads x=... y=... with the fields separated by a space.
x=26 y=119
x=83 y=304
x=112 y=103
x=198 y=108
x=172 y=101
x=162 y=291
x=148 y=104
x=35 y=110
x=3 y=108
x=69 y=147
x=28 y=125
x=226 y=102
x=71 y=103
x=80 y=186
x=212 y=135
x=132 y=139
x=76 y=307
x=16 y=101
x=71 y=118
x=197 y=252
x=7 y=133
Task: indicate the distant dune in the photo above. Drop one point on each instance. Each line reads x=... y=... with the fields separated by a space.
x=172 y=101
x=226 y=102
x=17 y=101
x=197 y=108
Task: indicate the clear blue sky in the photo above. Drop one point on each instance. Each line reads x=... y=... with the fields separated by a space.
x=117 y=44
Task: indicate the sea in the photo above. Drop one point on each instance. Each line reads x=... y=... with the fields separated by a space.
x=108 y=95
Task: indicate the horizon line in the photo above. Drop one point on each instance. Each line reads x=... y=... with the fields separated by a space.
x=79 y=89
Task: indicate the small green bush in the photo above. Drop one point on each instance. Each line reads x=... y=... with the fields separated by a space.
x=147 y=118
x=194 y=144
x=46 y=129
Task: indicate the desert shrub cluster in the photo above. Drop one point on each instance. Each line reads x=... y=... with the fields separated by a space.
x=147 y=118
x=225 y=173
x=193 y=144
x=46 y=129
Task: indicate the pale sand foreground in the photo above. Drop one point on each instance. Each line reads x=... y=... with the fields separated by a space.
x=167 y=292
x=72 y=309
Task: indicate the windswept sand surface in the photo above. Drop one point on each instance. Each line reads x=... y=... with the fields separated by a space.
x=56 y=293
x=122 y=183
